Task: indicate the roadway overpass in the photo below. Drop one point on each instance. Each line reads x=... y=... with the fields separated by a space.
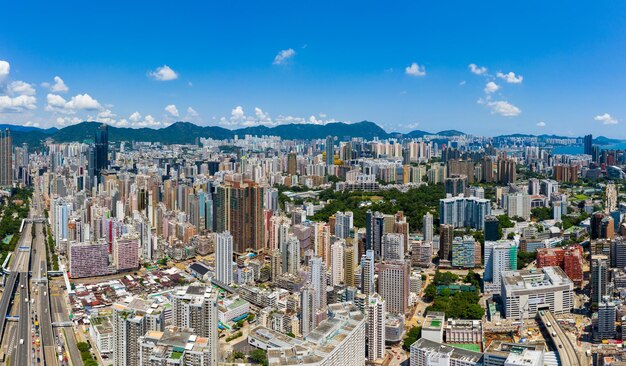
x=564 y=346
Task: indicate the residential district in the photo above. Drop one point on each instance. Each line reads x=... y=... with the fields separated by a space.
x=440 y=250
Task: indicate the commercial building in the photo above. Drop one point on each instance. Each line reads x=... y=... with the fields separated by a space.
x=425 y=352
x=434 y=323
x=524 y=292
x=464 y=331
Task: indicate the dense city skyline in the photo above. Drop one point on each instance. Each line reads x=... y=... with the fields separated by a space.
x=404 y=66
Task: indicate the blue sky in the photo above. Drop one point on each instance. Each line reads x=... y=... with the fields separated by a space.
x=404 y=65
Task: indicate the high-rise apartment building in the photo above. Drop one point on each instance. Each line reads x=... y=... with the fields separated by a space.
x=344 y=222
x=464 y=211
x=367 y=273
x=329 y=148
x=6 y=158
x=393 y=247
x=604 y=324
x=130 y=321
x=394 y=285
x=239 y=207
x=428 y=227
x=375 y=312
x=195 y=307
x=499 y=256
x=588 y=144
x=224 y=258
x=599 y=278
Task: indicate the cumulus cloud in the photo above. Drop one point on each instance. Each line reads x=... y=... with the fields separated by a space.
x=149 y=121
x=503 y=108
x=31 y=124
x=17 y=104
x=163 y=73
x=606 y=119
x=415 y=70
x=79 y=102
x=20 y=88
x=283 y=56
x=478 y=70
x=491 y=87
x=510 y=77
x=67 y=121
x=191 y=113
x=135 y=117
x=58 y=86
x=238 y=118
x=172 y=110
x=5 y=69
x=541 y=124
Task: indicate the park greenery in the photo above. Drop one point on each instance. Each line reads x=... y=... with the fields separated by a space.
x=13 y=210
x=525 y=258
x=459 y=304
x=415 y=203
x=412 y=335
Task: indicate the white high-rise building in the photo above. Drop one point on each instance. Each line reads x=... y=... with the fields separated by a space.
x=393 y=247
x=196 y=307
x=375 y=312
x=293 y=255
x=517 y=204
x=498 y=255
x=224 y=257
x=317 y=277
x=428 y=227
x=307 y=309
x=394 y=286
x=336 y=262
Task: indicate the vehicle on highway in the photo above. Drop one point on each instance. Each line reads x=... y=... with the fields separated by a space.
x=554 y=334
x=22 y=341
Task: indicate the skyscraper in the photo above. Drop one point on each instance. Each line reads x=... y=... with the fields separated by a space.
x=599 y=278
x=131 y=321
x=329 y=148
x=292 y=164
x=337 y=262
x=6 y=158
x=239 y=207
x=394 y=286
x=446 y=235
x=428 y=227
x=499 y=256
x=224 y=258
x=102 y=149
x=491 y=228
x=367 y=273
x=393 y=247
x=375 y=310
x=588 y=143
x=604 y=327
x=343 y=224
x=317 y=277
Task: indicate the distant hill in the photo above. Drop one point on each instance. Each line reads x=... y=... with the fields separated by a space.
x=188 y=133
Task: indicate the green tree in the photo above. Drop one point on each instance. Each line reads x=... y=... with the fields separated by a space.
x=412 y=335
x=258 y=356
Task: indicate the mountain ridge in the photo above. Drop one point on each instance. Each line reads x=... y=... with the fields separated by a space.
x=186 y=132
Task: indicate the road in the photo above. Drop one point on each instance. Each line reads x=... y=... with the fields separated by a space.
x=564 y=345
x=40 y=286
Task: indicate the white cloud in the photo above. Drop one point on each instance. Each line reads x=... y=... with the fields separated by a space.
x=17 y=104
x=85 y=102
x=411 y=126
x=67 y=121
x=283 y=56
x=191 y=113
x=478 y=70
x=149 y=121
x=415 y=70
x=541 y=124
x=172 y=110
x=58 y=86
x=238 y=118
x=135 y=117
x=5 y=69
x=237 y=112
x=31 y=124
x=606 y=119
x=503 y=108
x=20 y=88
x=510 y=77
x=163 y=73
x=463 y=82
x=491 y=87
